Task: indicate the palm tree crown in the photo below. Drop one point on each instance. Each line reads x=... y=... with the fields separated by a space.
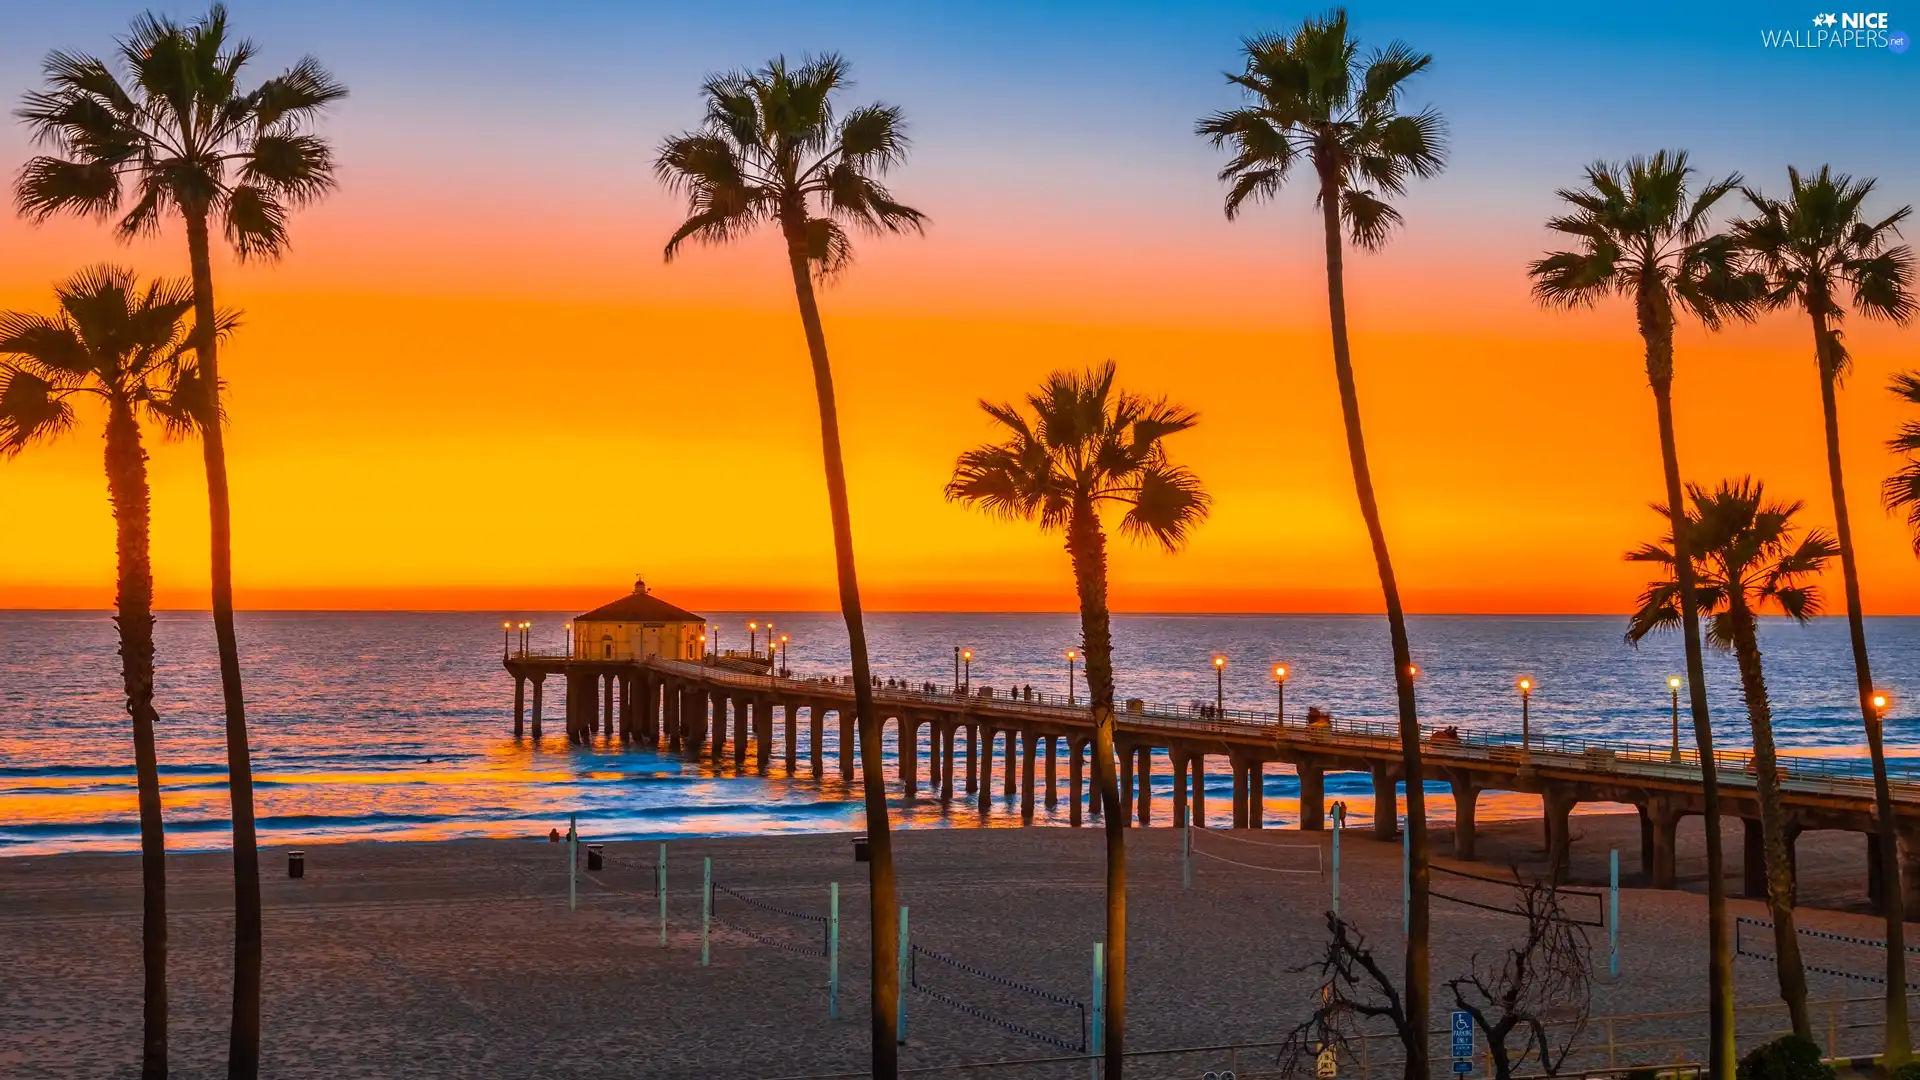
x=1746 y=558
x=1642 y=235
x=182 y=132
x=772 y=149
x=1814 y=245
x=1086 y=445
x=1901 y=491
x=1312 y=94
x=109 y=339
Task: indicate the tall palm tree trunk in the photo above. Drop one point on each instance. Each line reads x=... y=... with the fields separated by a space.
x=1787 y=964
x=1899 y=1048
x=126 y=464
x=1088 y=547
x=1417 y=992
x=882 y=899
x=1656 y=329
x=243 y=1048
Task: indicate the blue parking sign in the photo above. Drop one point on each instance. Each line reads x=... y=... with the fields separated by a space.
x=1463 y=1021
x=1462 y=1067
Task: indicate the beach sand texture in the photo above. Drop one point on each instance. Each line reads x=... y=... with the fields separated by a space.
x=461 y=959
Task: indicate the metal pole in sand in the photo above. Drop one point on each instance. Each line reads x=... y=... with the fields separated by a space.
x=573 y=861
x=1339 y=819
x=900 y=993
x=1097 y=1038
x=660 y=873
x=833 y=950
x=1613 y=913
x=1186 y=856
x=706 y=908
x=1406 y=881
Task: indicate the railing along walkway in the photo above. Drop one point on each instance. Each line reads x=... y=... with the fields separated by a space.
x=1569 y=752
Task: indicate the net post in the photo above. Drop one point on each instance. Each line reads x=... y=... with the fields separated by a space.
x=1613 y=914
x=1186 y=855
x=1096 y=1042
x=573 y=861
x=833 y=950
x=900 y=986
x=706 y=910
x=660 y=886
x=1406 y=881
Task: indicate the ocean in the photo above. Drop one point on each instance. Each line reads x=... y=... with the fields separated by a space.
x=398 y=725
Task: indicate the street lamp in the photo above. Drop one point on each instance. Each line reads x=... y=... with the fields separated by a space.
x=1072 y=655
x=703 y=650
x=1219 y=683
x=1280 y=684
x=783 y=652
x=966 y=658
x=1673 y=684
x=1526 y=694
x=569 y=629
x=506 y=639
x=753 y=628
x=525 y=634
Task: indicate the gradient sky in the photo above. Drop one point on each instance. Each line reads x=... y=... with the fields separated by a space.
x=473 y=382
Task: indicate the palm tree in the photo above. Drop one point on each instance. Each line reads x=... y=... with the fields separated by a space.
x=1746 y=558
x=189 y=141
x=1641 y=234
x=773 y=150
x=1901 y=491
x=1086 y=445
x=119 y=343
x=1313 y=96
x=1814 y=247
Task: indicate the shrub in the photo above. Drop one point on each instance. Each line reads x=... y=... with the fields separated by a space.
x=1789 y=1057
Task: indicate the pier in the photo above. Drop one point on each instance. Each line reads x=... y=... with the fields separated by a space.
x=716 y=709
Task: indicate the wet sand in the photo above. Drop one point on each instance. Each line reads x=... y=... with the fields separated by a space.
x=461 y=959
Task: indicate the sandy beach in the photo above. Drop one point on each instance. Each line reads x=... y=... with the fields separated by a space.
x=461 y=959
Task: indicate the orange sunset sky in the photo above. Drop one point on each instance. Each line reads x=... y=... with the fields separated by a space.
x=474 y=384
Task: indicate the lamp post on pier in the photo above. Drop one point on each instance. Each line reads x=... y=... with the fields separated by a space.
x=1072 y=655
x=1673 y=684
x=956 y=669
x=783 y=654
x=526 y=637
x=753 y=630
x=966 y=684
x=1219 y=684
x=1280 y=685
x=703 y=650
x=1526 y=693
x=506 y=640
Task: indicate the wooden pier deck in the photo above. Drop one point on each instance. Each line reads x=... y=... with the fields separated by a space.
x=702 y=708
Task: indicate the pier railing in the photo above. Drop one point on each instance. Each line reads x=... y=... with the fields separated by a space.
x=1735 y=768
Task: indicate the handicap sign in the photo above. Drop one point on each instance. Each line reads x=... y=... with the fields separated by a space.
x=1462 y=1043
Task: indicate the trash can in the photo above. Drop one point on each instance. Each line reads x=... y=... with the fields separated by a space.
x=594 y=860
x=860 y=847
x=296 y=864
